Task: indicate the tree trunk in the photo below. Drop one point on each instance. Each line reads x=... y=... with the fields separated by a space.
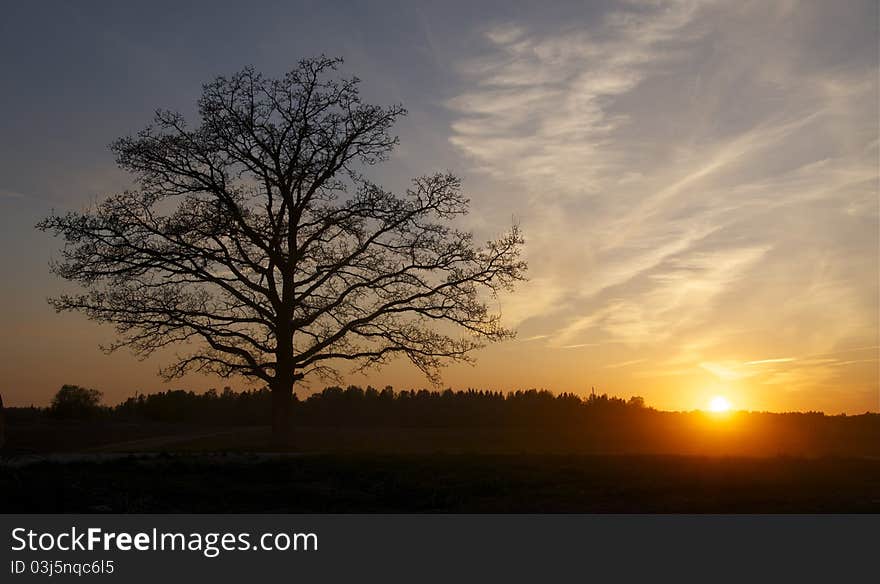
x=281 y=398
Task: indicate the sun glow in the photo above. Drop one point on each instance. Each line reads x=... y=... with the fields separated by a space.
x=719 y=404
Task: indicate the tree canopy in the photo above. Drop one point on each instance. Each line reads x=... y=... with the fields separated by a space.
x=73 y=401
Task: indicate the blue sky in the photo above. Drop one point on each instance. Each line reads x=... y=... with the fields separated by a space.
x=697 y=181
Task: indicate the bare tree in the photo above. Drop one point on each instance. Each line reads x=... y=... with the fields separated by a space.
x=255 y=239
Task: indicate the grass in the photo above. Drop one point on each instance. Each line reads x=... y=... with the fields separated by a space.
x=446 y=483
x=703 y=467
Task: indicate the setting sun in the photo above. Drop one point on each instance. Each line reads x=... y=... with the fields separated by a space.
x=719 y=404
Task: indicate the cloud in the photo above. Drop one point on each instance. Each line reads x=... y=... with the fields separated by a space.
x=7 y=194
x=765 y=361
x=685 y=172
x=578 y=346
x=629 y=363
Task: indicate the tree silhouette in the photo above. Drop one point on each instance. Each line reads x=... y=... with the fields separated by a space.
x=255 y=238
x=73 y=401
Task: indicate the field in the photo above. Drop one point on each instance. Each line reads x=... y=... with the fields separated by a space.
x=175 y=468
x=239 y=483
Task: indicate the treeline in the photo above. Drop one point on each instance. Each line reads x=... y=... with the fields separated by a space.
x=350 y=406
x=354 y=406
x=373 y=420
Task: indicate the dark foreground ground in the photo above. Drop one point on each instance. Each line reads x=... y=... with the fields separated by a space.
x=445 y=483
x=712 y=466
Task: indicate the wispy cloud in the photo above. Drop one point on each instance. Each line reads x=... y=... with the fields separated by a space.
x=7 y=194
x=765 y=361
x=629 y=363
x=679 y=185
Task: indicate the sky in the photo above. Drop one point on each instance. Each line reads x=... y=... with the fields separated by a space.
x=697 y=181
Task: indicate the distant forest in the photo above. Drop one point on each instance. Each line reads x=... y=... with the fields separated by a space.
x=335 y=405
x=357 y=419
x=356 y=406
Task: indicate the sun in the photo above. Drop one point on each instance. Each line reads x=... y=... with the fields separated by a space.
x=719 y=404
